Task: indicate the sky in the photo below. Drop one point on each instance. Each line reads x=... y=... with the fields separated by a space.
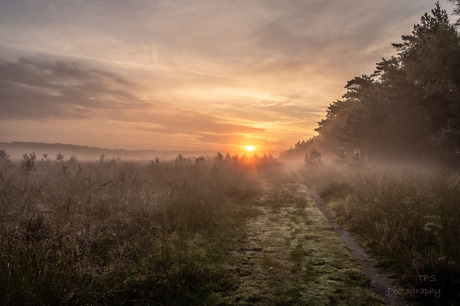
x=187 y=75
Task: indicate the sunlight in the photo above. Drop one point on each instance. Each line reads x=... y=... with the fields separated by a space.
x=249 y=148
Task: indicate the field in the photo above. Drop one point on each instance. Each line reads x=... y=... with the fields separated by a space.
x=119 y=232
x=407 y=216
x=219 y=231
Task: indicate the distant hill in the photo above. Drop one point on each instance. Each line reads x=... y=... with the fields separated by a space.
x=17 y=149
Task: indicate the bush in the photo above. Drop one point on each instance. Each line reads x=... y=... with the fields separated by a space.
x=28 y=161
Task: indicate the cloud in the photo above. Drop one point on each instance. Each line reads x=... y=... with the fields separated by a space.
x=180 y=34
x=237 y=140
x=34 y=89
x=175 y=121
x=213 y=37
x=58 y=89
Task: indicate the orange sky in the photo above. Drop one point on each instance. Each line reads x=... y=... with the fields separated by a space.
x=186 y=75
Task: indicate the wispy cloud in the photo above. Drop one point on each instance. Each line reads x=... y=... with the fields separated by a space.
x=43 y=89
x=46 y=90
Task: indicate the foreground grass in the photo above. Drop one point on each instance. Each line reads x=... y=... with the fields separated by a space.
x=292 y=256
x=408 y=217
x=203 y=232
x=120 y=232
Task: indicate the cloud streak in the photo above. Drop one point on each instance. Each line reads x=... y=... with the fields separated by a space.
x=46 y=90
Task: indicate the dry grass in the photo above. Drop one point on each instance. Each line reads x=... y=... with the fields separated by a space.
x=407 y=216
x=120 y=232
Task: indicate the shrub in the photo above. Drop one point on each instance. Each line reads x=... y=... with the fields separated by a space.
x=28 y=161
x=4 y=156
x=59 y=157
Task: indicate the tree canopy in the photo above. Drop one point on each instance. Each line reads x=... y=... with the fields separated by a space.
x=408 y=108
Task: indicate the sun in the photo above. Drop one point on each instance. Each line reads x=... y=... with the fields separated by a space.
x=249 y=148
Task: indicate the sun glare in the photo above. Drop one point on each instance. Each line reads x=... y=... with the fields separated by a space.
x=249 y=148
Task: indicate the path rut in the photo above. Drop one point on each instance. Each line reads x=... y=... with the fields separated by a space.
x=292 y=255
x=379 y=280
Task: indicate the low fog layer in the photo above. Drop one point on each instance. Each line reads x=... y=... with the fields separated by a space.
x=82 y=153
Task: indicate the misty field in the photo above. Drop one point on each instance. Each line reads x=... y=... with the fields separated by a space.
x=119 y=232
x=407 y=216
x=220 y=231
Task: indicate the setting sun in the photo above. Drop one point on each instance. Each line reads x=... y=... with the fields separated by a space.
x=250 y=148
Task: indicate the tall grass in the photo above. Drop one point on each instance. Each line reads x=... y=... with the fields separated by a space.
x=116 y=232
x=408 y=217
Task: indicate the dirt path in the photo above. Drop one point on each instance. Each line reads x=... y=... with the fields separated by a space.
x=380 y=282
x=292 y=255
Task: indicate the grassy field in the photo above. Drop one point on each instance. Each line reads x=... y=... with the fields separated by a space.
x=408 y=217
x=221 y=231
x=114 y=232
x=204 y=231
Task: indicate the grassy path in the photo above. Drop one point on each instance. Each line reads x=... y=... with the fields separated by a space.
x=292 y=255
x=379 y=280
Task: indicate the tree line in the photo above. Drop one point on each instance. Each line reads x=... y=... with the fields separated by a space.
x=409 y=108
